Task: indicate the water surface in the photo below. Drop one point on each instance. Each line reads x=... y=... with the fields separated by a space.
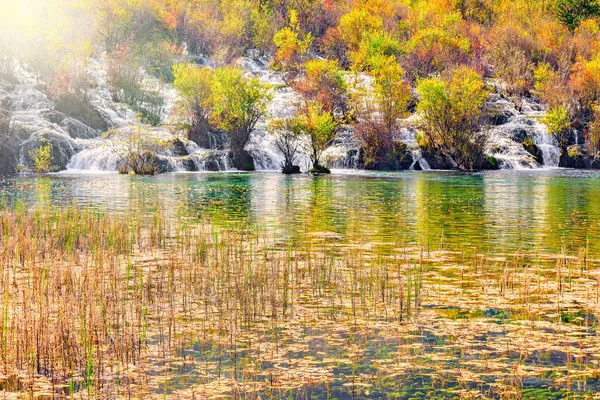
x=494 y=212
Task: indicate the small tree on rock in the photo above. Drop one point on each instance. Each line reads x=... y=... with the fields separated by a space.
x=452 y=108
x=237 y=104
x=287 y=141
x=319 y=128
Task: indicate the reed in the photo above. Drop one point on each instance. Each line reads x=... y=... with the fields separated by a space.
x=155 y=305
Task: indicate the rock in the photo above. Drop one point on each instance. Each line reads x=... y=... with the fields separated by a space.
x=63 y=147
x=490 y=163
x=179 y=150
x=54 y=116
x=77 y=129
x=575 y=157
x=207 y=138
x=439 y=161
x=9 y=154
x=211 y=165
x=80 y=108
x=242 y=161
x=319 y=170
x=533 y=149
x=294 y=169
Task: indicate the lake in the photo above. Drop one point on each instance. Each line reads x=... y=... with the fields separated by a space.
x=354 y=285
x=542 y=210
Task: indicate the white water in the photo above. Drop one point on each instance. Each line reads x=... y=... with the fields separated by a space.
x=523 y=121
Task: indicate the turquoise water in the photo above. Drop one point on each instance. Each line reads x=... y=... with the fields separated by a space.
x=496 y=212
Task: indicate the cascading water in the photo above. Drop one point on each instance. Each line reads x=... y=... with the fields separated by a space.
x=34 y=116
x=547 y=145
x=521 y=123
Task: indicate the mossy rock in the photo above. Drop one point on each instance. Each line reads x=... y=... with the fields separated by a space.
x=289 y=170
x=319 y=169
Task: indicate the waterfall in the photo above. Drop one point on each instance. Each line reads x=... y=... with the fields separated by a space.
x=547 y=145
x=521 y=122
x=35 y=116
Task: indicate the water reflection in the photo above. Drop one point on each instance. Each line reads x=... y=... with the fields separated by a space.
x=496 y=211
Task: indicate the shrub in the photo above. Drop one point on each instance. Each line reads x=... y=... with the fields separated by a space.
x=585 y=83
x=549 y=86
x=237 y=103
x=572 y=12
x=592 y=133
x=324 y=83
x=558 y=121
x=41 y=157
x=379 y=148
x=318 y=127
x=137 y=150
x=452 y=108
x=287 y=141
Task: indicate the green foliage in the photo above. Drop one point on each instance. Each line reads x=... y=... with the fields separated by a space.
x=292 y=47
x=392 y=92
x=558 y=121
x=452 y=108
x=137 y=150
x=223 y=99
x=319 y=127
x=572 y=12
x=194 y=87
x=41 y=157
x=237 y=103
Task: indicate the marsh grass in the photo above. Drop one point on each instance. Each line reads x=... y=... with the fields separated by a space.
x=152 y=305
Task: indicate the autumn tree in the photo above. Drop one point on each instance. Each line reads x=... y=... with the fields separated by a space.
x=318 y=127
x=452 y=108
x=237 y=103
x=287 y=141
x=292 y=47
x=194 y=106
x=380 y=108
x=323 y=82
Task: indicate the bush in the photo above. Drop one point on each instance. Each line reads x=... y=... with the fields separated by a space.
x=42 y=157
x=572 y=12
x=452 y=108
x=558 y=121
x=592 y=133
x=137 y=150
x=318 y=127
x=287 y=142
x=379 y=149
x=585 y=83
